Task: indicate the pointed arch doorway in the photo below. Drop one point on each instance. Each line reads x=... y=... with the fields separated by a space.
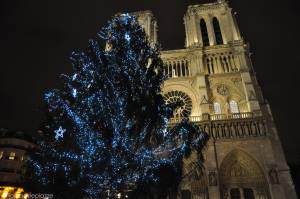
x=241 y=177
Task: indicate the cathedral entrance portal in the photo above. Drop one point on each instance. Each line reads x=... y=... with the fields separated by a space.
x=242 y=178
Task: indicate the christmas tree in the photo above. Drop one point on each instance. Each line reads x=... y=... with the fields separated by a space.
x=107 y=130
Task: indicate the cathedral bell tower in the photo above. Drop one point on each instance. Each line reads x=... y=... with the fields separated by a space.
x=210 y=24
x=149 y=23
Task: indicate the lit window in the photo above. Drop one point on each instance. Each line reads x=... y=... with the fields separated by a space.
x=1 y=155
x=234 y=108
x=12 y=156
x=217 y=108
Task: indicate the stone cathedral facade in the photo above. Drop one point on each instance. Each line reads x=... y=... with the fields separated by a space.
x=214 y=78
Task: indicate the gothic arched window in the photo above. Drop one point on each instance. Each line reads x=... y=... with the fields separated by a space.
x=204 y=33
x=217 y=30
x=217 y=108
x=234 y=108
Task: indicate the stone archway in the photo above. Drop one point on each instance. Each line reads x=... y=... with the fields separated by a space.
x=241 y=177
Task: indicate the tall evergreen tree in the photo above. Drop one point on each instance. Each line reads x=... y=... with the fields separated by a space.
x=107 y=129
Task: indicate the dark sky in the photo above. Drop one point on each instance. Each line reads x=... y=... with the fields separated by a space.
x=37 y=37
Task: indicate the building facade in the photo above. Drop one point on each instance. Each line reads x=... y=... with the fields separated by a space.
x=214 y=78
x=13 y=148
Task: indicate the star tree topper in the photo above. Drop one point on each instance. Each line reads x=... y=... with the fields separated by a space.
x=59 y=133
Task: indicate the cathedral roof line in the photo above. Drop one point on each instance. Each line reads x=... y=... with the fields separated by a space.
x=209 y=5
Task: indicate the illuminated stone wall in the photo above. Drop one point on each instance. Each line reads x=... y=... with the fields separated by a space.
x=244 y=157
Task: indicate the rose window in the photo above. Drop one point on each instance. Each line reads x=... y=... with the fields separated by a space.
x=185 y=108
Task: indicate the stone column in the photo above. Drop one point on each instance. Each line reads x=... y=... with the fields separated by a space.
x=217 y=64
x=244 y=63
x=195 y=35
x=199 y=32
x=234 y=27
x=242 y=193
x=210 y=30
x=193 y=66
x=187 y=42
x=189 y=29
x=211 y=165
x=203 y=94
x=250 y=92
x=201 y=64
x=224 y=24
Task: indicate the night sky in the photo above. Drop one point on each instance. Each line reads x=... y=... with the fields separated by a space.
x=37 y=37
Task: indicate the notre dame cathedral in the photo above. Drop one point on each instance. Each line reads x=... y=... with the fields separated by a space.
x=214 y=77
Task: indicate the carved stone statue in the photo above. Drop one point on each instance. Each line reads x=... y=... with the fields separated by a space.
x=212 y=178
x=273 y=176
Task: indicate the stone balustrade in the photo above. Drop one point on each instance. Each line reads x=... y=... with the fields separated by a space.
x=229 y=126
x=232 y=116
x=240 y=128
x=177 y=68
x=188 y=63
x=225 y=62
